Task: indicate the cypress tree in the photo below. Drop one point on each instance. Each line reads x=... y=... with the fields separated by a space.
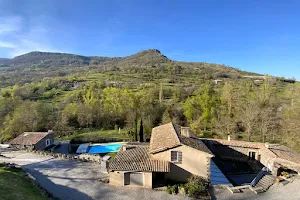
x=141 y=132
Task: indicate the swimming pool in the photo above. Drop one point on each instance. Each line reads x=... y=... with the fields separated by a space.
x=105 y=148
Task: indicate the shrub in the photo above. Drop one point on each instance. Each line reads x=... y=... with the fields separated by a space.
x=196 y=186
x=284 y=173
x=170 y=189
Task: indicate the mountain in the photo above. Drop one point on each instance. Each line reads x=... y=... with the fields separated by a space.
x=145 y=58
x=4 y=61
x=35 y=66
x=48 y=59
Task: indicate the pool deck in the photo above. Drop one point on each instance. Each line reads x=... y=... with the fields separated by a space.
x=101 y=144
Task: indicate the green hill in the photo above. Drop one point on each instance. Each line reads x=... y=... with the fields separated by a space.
x=35 y=66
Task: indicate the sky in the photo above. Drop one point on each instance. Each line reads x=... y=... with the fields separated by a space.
x=260 y=36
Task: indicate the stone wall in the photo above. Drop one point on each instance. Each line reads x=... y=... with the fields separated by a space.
x=116 y=178
x=81 y=157
x=89 y=157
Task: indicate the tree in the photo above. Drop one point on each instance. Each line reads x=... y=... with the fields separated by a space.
x=248 y=108
x=225 y=120
x=141 y=131
x=291 y=117
x=268 y=122
x=161 y=94
x=166 y=117
x=200 y=109
x=24 y=118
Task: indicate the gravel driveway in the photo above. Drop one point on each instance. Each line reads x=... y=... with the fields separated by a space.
x=72 y=180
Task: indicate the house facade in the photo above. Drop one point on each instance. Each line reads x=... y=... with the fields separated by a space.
x=174 y=154
x=33 y=140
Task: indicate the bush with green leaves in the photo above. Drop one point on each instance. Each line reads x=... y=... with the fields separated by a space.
x=196 y=186
x=172 y=189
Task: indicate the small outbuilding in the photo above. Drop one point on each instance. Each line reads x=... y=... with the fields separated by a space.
x=133 y=166
x=33 y=140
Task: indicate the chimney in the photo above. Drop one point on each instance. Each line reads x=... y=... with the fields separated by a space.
x=228 y=137
x=185 y=131
x=124 y=148
x=50 y=131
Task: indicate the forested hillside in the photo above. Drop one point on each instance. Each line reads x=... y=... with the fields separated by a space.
x=70 y=93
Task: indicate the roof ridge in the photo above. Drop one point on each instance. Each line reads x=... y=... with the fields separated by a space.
x=177 y=134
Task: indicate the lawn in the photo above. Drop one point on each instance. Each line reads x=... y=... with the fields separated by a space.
x=14 y=185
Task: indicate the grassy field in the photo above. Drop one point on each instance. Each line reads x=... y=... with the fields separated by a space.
x=14 y=185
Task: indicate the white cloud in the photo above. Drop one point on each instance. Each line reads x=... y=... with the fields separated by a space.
x=9 y=45
x=10 y=24
x=19 y=36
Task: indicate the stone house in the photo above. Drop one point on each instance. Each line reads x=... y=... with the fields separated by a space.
x=174 y=154
x=273 y=156
x=33 y=140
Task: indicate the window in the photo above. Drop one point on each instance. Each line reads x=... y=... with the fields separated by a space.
x=252 y=155
x=48 y=142
x=176 y=156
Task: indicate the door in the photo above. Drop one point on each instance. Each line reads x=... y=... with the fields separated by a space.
x=127 y=179
x=136 y=179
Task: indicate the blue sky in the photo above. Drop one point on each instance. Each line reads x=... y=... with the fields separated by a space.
x=254 y=35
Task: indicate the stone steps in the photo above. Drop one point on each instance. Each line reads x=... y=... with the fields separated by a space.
x=264 y=184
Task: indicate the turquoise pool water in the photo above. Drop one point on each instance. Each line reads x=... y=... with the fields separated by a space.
x=105 y=148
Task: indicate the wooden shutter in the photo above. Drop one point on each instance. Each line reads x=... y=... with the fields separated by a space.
x=179 y=154
x=174 y=156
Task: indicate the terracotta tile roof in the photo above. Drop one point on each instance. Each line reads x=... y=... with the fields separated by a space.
x=236 y=143
x=137 y=158
x=168 y=136
x=285 y=153
x=29 y=138
x=273 y=151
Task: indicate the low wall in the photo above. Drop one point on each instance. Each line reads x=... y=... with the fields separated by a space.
x=81 y=157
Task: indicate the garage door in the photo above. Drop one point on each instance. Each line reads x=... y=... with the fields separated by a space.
x=136 y=179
